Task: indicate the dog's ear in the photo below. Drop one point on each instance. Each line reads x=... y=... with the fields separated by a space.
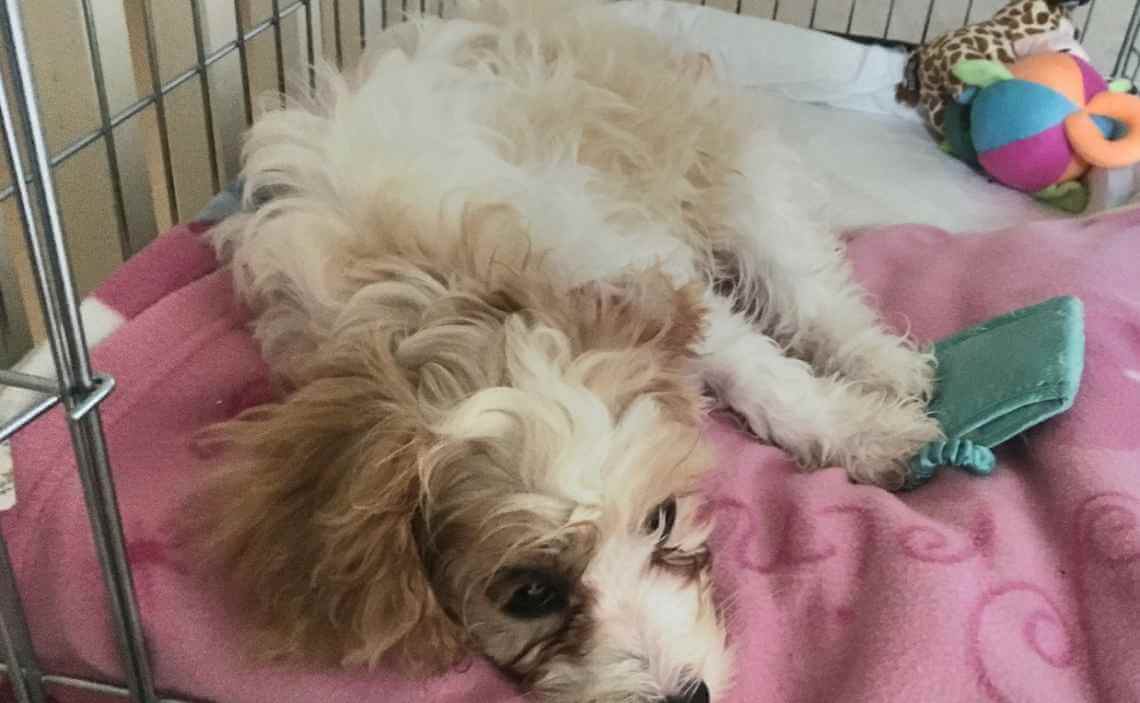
x=642 y=309
x=313 y=521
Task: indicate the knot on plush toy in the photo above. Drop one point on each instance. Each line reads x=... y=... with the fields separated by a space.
x=961 y=453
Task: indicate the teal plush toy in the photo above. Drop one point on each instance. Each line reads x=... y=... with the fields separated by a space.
x=1000 y=378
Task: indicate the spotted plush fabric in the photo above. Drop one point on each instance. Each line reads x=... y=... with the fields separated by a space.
x=929 y=82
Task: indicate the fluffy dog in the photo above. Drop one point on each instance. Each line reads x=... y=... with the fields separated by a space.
x=494 y=276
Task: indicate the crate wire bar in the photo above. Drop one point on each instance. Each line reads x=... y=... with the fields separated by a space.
x=161 y=89
x=1128 y=60
x=77 y=387
x=1127 y=63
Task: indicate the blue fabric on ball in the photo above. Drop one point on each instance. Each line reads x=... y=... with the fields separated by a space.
x=1013 y=110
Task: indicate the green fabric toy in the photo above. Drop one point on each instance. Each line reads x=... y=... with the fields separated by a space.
x=1000 y=378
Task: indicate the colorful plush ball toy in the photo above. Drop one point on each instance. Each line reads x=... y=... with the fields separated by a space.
x=1038 y=125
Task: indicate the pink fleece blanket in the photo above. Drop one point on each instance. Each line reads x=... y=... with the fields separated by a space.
x=1024 y=586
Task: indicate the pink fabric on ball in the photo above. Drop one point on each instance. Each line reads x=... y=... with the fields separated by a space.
x=1030 y=164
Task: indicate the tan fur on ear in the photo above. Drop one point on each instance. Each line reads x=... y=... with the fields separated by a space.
x=314 y=522
x=656 y=326
x=642 y=309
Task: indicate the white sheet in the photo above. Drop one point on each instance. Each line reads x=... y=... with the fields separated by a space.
x=879 y=169
x=834 y=100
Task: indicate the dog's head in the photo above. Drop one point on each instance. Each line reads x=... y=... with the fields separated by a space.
x=481 y=462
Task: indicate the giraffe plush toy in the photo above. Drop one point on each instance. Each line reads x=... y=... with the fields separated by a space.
x=1021 y=28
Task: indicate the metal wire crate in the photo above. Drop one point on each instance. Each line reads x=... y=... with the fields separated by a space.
x=329 y=29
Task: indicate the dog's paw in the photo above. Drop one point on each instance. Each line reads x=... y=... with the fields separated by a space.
x=897 y=370
x=879 y=451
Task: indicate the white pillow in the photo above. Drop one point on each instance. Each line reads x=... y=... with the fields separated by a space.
x=879 y=170
x=797 y=63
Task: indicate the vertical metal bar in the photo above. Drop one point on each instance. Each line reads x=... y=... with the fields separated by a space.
x=125 y=247
x=776 y=10
x=204 y=84
x=969 y=12
x=279 y=50
x=45 y=284
x=423 y=6
x=1128 y=45
x=384 y=14
x=1088 y=19
x=159 y=109
x=739 y=7
x=926 y=24
x=102 y=504
x=24 y=673
x=814 y=9
x=890 y=16
x=5 y=325
x=243 y=63
x=73 y=366
x=363 y=25
x=310 y=46
x=851 y=17
x=337 y=35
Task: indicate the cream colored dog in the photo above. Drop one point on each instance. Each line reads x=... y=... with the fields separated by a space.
x=494 y=277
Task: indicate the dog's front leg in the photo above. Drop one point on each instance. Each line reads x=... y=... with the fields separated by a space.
x=822 y=420
x=794 y=274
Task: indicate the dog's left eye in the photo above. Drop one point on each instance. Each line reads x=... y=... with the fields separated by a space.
x=660 y=520
x=537 y=596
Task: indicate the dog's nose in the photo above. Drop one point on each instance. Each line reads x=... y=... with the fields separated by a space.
x=694 y=693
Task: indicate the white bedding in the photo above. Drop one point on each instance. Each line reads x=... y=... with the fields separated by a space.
x=879 y=169
x=834 y=99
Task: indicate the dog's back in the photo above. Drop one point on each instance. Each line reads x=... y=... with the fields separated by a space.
x=601 y=145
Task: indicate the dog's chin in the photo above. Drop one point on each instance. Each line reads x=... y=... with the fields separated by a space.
x=659 y=640
x=669 y=647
